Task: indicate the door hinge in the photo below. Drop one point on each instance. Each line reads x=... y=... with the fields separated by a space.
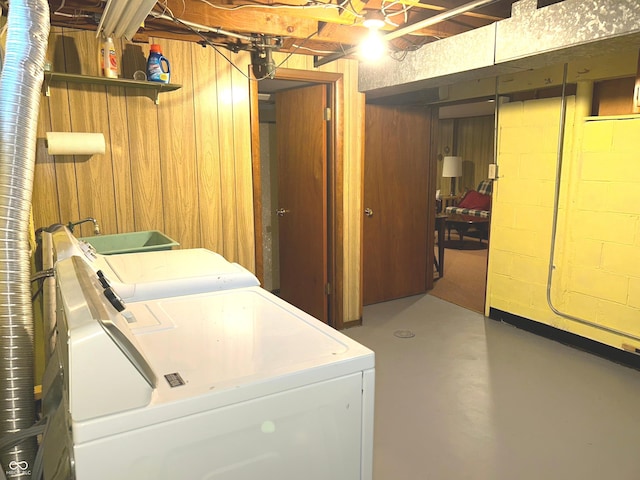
x=327 y=114
x=327 y=289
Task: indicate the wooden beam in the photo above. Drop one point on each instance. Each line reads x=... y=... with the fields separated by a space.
x=341 y=34
x=328 y=28
x=299 y=23
x=255 y=22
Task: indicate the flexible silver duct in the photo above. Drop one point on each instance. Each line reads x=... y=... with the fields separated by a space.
x=20 y=86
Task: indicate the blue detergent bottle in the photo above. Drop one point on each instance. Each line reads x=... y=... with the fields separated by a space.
x=158 y=68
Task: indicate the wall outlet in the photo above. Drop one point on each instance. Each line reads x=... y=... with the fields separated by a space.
x=493 y=171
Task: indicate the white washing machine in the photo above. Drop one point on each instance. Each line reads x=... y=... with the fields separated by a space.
x=232 y=384
x=147 y=275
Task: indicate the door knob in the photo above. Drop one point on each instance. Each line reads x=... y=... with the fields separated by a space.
x=368 y=212
x=281 y=211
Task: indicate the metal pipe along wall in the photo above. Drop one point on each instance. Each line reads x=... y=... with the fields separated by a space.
x=20 y=86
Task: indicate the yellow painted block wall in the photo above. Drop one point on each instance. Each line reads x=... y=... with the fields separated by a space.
x=597 y=251
x=601 y=268
x=522 y=208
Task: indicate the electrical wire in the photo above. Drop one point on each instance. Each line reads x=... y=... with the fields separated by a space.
x=312 y=50
x=58 y=12
x=212 y=45
x=403 y=11
x=345 y=5
x=72 y=15
x=206 y=40
x=165 y=5
x=316 y=4
x=37 y=293
x=292 y=52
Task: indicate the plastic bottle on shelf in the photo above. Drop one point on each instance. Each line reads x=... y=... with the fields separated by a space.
x=158 y=68
x=107 y=58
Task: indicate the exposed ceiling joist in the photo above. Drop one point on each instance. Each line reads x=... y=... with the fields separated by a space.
x=320 y=25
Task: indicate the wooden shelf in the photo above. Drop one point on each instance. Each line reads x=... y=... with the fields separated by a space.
x=157 y=87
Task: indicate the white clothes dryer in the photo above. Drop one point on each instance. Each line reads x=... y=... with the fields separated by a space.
x=232 y=384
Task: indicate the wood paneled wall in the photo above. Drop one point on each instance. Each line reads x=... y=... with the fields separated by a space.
x=183 y=166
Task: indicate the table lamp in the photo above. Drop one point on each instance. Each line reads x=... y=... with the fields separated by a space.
x=452 y=167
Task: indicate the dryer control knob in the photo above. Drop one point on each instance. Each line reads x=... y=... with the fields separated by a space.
x=114 y=299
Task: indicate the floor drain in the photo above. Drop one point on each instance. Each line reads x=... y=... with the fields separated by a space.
x=404 y=334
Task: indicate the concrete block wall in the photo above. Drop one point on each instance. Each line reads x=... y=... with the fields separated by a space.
x=522 y=212
x=603 y=237
x=597 y=260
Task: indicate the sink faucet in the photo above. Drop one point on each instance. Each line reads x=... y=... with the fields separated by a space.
x=96 y=227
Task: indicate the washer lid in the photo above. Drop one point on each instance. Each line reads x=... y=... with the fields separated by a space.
x=177 y=272
x=228 y=339
x=222 y=348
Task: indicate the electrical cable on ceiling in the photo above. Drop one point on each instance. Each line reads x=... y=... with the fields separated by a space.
x=59 y=13
x=313 y=50
x=403 y=11
x=352 y=9
x=164 y=4
x=288 y=56
x=208 y=42
x=72 y=15
x=403 y=54
x=203 y=28
x=317 y=4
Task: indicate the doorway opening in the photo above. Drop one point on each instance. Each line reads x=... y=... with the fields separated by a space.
x=467 y=131
x=296 y=118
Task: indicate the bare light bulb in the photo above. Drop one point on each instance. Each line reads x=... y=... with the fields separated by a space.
x=372 y=47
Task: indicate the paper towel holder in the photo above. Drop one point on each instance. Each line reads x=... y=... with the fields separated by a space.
x=74 y=143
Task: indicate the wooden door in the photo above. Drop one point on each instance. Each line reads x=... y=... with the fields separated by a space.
x=302 y=198
x=396 y=220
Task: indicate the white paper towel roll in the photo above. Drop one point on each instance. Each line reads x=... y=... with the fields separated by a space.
x=69 y=143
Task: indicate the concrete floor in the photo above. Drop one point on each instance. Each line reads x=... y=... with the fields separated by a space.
x=472 y=398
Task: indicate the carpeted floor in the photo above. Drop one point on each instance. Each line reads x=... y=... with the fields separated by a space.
x=465 y=276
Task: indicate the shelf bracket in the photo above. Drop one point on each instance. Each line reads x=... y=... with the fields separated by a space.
x=45 y=86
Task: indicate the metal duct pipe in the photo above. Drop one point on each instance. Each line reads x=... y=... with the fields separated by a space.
x=20 y=86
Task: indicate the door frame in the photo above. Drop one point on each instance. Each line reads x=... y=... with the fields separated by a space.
x=335 y=181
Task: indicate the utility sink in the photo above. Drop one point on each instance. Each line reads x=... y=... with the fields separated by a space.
x=132 y=242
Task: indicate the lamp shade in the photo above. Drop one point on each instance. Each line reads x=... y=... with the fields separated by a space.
x=452 y=167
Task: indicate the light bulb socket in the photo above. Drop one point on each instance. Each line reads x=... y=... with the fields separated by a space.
x=373 y=19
